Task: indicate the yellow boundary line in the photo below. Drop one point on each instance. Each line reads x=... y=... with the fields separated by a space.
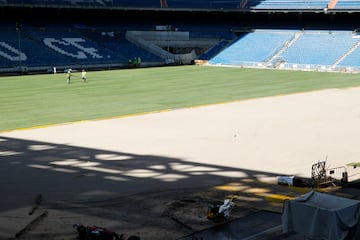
x=84 y=121
x=126 y=115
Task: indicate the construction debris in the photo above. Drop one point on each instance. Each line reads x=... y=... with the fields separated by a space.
x=96 y=233
x=220 y=213
x=37 y=203
x=31 y=225
x=324 y=176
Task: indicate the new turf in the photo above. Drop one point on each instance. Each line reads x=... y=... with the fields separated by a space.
x=34 y=100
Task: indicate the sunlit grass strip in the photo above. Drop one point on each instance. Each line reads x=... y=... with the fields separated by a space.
x=37 y=100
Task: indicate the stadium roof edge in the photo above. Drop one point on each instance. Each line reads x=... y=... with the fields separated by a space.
x=242 y=10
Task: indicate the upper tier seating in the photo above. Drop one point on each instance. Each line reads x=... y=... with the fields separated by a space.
x=62 y=2
x=347 y=4
x=206 y=4
x=287 y=4
x=199 y=4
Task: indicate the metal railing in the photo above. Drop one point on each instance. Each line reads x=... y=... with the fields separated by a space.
x=323 y=176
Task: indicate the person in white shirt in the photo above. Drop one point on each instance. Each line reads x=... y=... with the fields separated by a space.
x=68 y=74
x=83 y=75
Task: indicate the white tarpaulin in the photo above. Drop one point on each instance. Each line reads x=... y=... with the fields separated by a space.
x=322 y=216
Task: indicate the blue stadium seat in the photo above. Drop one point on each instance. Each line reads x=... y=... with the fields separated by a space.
x=287 y=4
x=351 y=60
x=199 y=4
x=319 y=47
x=137 y=3
x=214 y=50
x=347 y=4
x=303 y=49
x=258 y=46
x=59 y=47
x=64 y=2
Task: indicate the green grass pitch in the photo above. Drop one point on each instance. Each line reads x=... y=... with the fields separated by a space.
x=35 y=100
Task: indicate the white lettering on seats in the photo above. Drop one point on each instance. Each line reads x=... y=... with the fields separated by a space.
x=18 y=56
x=90 y=51
x=55 y=44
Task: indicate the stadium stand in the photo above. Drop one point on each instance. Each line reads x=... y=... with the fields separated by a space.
x=251 y=48
x=73 y=34
x=347 y=4
x=199 y=4
x=204 y=4
x=62 y=2
x=319 y=47
x=352 y=58
x=287 y=4
x=188 y=4
x=308 y=49
x=39 y=48
x=225 y=38
x=10 y=52
x=214 y=50
x=131 y=3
